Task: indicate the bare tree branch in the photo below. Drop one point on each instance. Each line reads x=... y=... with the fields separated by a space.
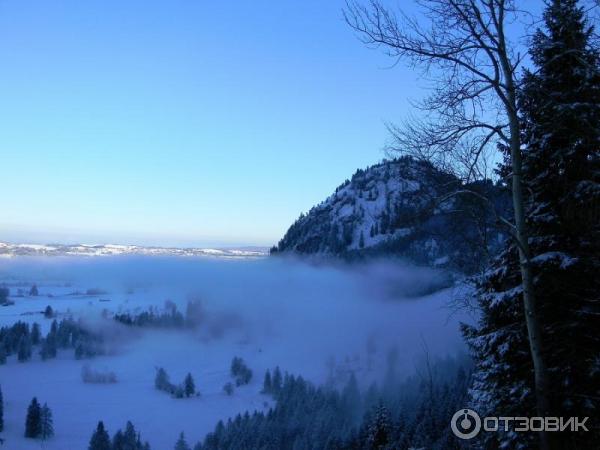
x=461 y=52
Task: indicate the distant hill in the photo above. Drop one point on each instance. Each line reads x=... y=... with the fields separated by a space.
x=9 y=250
x=405 y=208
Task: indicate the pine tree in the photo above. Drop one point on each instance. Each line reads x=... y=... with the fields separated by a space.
x=161 y=381
x=181 y=443
x=123 y=440
x=24 y=351
x=118 y=441
x=267 y=383
x=127 y=440
x=189 y=385
x=100 y=439
x=33 y=420
x=277 y=380
x=34 y=290
x=48 y=312
x=237 y=364
x=46 y=423
x=380 y=428
x=35 y=334
x=48 y=347
x=561 y=116
x=560 y=113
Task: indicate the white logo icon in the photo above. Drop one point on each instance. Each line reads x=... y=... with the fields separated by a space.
x=465 y=424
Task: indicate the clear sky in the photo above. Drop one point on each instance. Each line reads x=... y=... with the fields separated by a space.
x=183 y=122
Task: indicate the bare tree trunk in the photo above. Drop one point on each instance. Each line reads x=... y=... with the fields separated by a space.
x=534 y=328
x=532 y=320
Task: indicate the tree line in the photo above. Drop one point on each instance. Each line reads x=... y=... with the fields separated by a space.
x=169 y=317
x=393 y=415
x=21 y=338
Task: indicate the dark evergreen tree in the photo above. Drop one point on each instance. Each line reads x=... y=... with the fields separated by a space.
x=33 y=421
x=277 y=380
x=34 y=290
x=48 y=347
x=128 y=439
x=100 y=439
x=560 y=113
x=561 y=116
x=380 y=428
x=46 y=423
x=237 y=364
x=189 y=385
x=54 y=327
x=118 y=441
x=48 y=312
x=162 y=382
x=181 y=443
x=267 y=383
x=24 y=352
x=35 y=334
x=240 y=371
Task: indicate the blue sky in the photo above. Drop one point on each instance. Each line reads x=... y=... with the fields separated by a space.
x=183 y=122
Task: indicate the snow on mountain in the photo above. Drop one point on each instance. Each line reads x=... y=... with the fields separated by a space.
x=9 y=250
x=402 y=207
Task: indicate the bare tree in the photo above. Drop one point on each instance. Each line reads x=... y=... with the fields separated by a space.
x=462 y=47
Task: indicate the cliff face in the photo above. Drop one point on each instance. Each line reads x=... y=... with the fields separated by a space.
x=404 y=208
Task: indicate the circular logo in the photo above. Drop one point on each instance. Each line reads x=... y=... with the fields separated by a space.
x=465 y=424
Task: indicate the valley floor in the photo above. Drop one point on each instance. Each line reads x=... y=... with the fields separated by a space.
x=319 y=322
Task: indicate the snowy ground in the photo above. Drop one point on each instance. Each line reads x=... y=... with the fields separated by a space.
x=318 y=321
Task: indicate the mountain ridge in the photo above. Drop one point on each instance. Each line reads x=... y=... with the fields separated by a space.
x=406 y=208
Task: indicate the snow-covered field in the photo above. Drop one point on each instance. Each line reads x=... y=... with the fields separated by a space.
x=319 y=321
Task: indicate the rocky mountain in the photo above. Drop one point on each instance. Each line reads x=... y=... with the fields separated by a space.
x=406 y=208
